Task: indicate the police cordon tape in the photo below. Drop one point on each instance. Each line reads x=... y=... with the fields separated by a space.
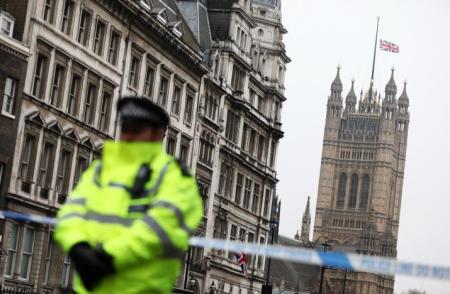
x=340 y=260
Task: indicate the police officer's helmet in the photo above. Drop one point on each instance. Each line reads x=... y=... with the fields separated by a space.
x=141 y=109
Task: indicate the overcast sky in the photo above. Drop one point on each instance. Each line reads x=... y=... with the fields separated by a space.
x=323 y=34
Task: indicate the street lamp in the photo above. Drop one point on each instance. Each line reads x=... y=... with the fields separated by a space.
x=266 y=289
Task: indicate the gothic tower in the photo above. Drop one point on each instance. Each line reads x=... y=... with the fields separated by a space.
x=306 y=224
x=361 y=178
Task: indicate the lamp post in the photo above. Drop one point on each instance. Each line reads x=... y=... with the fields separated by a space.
x=325 y=246
x=267 y=288
x=345 y=280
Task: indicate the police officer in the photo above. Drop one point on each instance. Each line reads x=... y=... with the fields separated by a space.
x=127 y=223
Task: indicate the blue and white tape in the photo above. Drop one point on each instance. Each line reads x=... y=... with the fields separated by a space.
x=349 y=261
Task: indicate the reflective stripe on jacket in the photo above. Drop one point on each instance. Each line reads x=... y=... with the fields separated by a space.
x=145 y=227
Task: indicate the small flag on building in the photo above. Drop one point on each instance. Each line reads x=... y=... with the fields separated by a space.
x=388 y=46
x=241 y=259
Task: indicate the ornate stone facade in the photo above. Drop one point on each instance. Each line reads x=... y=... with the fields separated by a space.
x=361 y=179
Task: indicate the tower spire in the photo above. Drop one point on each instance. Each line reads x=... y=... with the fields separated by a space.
x=306 y=223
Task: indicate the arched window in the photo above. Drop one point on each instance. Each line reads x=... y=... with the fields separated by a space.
x=341 y=190
x=353 y=191
x=364 y=192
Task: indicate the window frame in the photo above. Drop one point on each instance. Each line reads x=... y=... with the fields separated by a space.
x=50 y=18
x=10 y=98
x=28 y=254
x=40 y=79
x=105 y=110
x=99 y=40
x=66 y=27
x=114 y=46
x=74 y=96
x=84 y=28
x=12 y=262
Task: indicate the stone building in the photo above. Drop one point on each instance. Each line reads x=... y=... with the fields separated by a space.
x=240 y=126
x=83 y=55
x=13 y=66
x=361 y=179
x=217 y=67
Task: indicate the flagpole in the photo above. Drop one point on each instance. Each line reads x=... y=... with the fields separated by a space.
x=375 y=49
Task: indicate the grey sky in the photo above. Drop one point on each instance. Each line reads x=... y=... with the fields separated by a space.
x=323 y=34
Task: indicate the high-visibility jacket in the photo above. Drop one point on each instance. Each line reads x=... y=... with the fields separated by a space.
x=141 y=205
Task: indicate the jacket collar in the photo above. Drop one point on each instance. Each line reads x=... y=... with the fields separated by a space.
x=119 y=153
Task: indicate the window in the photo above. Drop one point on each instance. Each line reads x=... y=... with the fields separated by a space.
x=260 y=263
x=48 y=260
x=250 y=239
x=171 y=143
x=261 y=145
x=176 y=100
x=133 y=79
x=247 y=193
x=46 y=168
x=65 y=272
x=255 y=202
x=27 y=162
x=188 y=108
x=66 y=22
x=62 y=177
x=341 y=190
x=84 y=27
x=273 y=151
x=57 y=85
x=99 y=37
x=353 y=191
x=39 y=76
x=6 y=24
x=2 y=166
x=238 y=191
x=244 y=137
x=207 y=148
x=252 y=142
x=364 y=192
x=233 y=236
x=266 y=203
x=12 y=250
x=89 y=104
x=9 y=95
x=148 y=82
x=49 y=10
x=163 y=87
x=211 y=107
x=232 y=128
x=74 y=95
x=105 y=112
x=27 y=253
x=113 y=48
x=82 y=164
x=237 y=78
x=184 y=151
x=226 y=179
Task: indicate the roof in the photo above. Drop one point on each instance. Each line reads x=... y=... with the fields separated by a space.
x=291 y=274
x=196 y=17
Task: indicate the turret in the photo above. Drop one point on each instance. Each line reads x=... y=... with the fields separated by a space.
x=369 y=102
x=389 y=102
x=350 y=100
x=306 y=224
x=403 y=101
x=335 y=99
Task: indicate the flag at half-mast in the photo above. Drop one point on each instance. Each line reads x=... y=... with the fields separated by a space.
x=388 y=46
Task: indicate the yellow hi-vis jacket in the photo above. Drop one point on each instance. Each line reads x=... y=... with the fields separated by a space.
x=146 y=230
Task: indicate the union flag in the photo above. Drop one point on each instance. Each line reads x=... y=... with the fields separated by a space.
x=388 y=46
x=241 y=259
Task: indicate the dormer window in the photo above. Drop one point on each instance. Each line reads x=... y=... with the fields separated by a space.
x=160 y=14
x=6 y=23
x=146 y=4
x=176 y=28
